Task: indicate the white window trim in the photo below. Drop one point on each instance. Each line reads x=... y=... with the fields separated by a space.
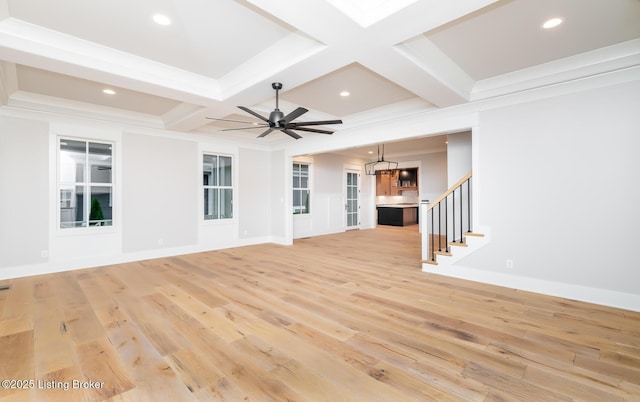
x=233 y=187
x=72 y=231
x=309 y=187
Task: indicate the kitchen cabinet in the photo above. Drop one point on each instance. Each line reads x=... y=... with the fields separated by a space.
x=386 y=182
x=394 y=182
x=407 y=179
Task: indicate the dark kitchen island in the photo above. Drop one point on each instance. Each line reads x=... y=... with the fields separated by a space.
x=397 y=214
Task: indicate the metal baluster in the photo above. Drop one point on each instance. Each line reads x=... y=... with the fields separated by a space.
x=439 y=227
x=461 y=214
x=446 y=225
x=433 y=257
x=469 y=201
x=453 y=215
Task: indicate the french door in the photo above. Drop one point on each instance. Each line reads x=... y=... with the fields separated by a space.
x=352 y=199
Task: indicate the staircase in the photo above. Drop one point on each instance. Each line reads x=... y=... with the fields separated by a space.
x=447 y=227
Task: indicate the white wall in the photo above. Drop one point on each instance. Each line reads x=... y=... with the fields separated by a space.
x=560 y=193
x=24 y=195
x=281 y=209
x=160 y=204
x=157 y=196
x=255 y=194
x=458 y=156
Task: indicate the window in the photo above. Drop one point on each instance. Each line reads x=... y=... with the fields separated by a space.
x=301 y=188
x=218 y=190
x=85 y=183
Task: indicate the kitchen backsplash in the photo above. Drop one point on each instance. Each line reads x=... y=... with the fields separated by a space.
x=407 y=197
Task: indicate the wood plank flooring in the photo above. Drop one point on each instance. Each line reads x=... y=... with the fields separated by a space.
x=347 y=317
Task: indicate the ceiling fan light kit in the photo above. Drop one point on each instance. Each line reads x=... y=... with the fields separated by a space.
x=277 y=120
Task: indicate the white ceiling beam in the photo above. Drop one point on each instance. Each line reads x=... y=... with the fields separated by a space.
x=424 y=54
x=417 y=66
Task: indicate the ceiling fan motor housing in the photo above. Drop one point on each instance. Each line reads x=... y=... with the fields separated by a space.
x=275 y=118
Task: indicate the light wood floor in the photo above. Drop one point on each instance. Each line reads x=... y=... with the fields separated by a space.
x=337 y=318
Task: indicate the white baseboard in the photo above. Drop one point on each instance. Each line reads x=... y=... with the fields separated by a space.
x=604 y=297
x=93 y=262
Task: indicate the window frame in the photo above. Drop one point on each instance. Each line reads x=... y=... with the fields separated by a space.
x=219 y=187
x=298 y=209
x=87 y=185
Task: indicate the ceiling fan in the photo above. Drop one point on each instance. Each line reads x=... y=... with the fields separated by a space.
x=278 y=121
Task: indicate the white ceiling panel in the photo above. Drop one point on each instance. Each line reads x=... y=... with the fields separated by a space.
x=508 y=36
x=205 y=37
x=367 y=90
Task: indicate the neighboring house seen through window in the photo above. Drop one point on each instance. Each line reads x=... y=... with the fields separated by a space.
x=301 y=190
x=85 y=183
x=218 y=190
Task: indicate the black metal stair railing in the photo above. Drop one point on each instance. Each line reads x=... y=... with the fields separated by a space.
x=448 y=216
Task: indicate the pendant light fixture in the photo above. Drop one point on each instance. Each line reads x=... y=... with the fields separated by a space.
x=380 y=165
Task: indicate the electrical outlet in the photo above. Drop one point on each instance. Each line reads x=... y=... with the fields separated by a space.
x=160 y=242
x=44 y=254
x=510 y=264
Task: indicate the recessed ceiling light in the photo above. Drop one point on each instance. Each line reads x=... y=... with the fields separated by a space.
x=370 y=152
x=552 y=23
x=109 y=91
x=161 y=19
x=345 y=93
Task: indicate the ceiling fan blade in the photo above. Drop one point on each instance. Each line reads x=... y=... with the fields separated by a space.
x=251 y=112
x=314 y=130
x=295 y=114
x=245 y=128
x=315 y=123
x=232 y=121
x=291 y=134
x=269 y=130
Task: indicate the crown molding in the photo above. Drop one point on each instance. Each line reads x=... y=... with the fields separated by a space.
x=600 y=61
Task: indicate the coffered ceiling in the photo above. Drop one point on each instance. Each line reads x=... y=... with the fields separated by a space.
x=394 y=57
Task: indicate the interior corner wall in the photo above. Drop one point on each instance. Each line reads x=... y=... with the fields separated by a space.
x=160 y=204
x=24 y=198
x=560 y=191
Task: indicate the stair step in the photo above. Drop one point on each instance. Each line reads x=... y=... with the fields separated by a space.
x=473 y=234
x=452 y=243
x=432 y=262
x=447 y=253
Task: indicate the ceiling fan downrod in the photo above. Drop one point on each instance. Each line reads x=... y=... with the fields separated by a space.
x=276 y=117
